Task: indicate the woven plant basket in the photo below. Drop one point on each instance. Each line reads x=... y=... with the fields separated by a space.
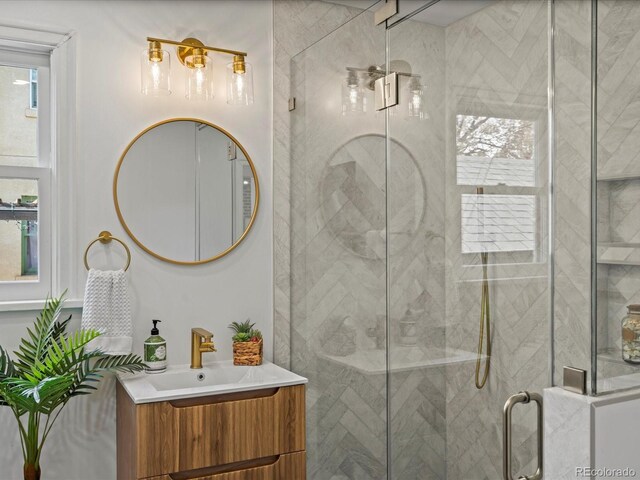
x=247 y=353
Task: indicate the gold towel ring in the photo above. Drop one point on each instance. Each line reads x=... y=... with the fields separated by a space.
x=104 y=238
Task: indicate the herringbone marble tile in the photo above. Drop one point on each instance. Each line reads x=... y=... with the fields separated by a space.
x=330 y=272
x=497 y=65
x=618 y=117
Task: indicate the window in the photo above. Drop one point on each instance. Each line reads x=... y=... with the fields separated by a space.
x=495 y=151
x=497 y=155
x=25 y=177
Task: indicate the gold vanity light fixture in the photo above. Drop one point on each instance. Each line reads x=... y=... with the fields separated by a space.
x=155 y=71
x=194 y=55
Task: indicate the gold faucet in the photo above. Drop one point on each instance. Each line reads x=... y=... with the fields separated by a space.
x=201 y=342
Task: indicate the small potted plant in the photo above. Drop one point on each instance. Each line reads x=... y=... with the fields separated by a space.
x=247 y=343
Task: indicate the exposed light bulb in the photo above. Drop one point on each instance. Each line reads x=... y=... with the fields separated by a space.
x=416 y=100
x=155 y=74
x=239 y=85
x=354 y=99
x=155 y=71
x=199 y=80
x=199 y=77
x=353 y=96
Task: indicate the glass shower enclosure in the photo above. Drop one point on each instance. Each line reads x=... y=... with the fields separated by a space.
x=420 y=239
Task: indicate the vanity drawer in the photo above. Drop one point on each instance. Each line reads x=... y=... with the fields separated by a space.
x=162 y=438
x=231 y=431
x=290 y=466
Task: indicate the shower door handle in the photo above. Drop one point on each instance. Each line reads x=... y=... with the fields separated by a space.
x=521 y=397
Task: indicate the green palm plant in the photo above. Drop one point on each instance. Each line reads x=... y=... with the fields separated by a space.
x=51 y=368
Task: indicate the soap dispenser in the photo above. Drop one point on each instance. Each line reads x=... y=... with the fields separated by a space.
x=155 y=351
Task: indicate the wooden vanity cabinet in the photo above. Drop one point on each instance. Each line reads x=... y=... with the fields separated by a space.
x=256 y=435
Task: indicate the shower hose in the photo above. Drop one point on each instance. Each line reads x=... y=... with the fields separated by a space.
x=485 y=319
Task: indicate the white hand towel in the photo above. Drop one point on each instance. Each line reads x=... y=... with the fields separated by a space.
x=107 y=309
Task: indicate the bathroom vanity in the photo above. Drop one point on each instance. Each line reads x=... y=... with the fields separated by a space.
x=221 y=422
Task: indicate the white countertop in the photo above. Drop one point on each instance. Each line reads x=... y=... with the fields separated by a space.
x=212 y=379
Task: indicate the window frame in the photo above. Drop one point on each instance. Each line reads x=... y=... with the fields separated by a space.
x=529 y=109
x=34 y=289
x=54 y=54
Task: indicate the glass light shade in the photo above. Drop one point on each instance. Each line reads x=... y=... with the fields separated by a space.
x=354 y=99
x=155 y=72
x=417 y=100
x=199 y=81
x=239 y=85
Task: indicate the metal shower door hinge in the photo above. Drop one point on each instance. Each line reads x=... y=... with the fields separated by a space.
x=292 y=104
x=574 y=380
x=388 y=10
x=386 y=91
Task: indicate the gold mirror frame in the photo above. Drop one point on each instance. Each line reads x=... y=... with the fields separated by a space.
x=138 y=242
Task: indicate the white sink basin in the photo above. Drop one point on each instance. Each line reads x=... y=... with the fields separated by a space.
x=213 y=379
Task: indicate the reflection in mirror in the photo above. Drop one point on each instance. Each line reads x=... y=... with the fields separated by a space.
x=354 y=197
x=186 y=191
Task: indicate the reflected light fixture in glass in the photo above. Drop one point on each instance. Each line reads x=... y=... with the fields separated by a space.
x=155 y=70
x=239 y=82
x=353 y=95
x=199 y=84
x=416 y=99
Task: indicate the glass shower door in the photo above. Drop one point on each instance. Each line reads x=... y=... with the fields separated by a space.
x=420 y=297
x=468 y=248
x=338 y=251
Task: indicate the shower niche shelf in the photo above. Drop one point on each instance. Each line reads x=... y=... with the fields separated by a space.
x=618 y=177
x=614 y=355
x=619 y=253
x=618 y=278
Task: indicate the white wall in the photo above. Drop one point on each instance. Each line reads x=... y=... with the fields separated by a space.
x=110 y=112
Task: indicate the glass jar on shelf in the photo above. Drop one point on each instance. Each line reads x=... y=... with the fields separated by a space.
x=631 y=335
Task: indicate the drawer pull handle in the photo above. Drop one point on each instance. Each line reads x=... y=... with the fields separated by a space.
x=224 y=397
x=229 y=467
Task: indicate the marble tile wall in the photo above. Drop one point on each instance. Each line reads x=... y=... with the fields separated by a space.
x=572 y=320
x=618 y=201
x=597 y=432
x=338 y=274
x=337 y=251
x=567 y=434
x=297 y=25
x=497 y=63
x=416 y=256
x=329 y=279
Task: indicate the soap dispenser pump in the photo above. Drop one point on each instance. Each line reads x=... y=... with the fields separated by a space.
x=155 y=351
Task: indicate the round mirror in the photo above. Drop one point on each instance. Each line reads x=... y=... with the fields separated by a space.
x=186 y=191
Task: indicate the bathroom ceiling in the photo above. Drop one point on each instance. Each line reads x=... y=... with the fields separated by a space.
x=443 y=13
